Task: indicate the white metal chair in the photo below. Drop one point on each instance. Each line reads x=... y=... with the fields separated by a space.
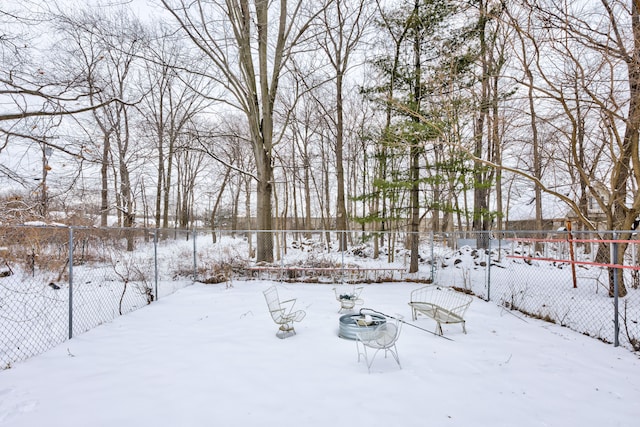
x=348 y=297
x=382 y=337
x=282 y=312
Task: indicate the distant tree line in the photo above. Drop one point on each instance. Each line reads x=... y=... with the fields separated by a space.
x=385 y=113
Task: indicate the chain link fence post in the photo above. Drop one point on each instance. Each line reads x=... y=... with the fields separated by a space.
x=616 y=319
x=343 y=240
x=70 y=282
x=195 y=256
x=433 y=261
x=489 y=268
x=155 y=262
x=281 y=254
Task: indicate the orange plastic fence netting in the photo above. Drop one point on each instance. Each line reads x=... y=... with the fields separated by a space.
x=568 y=261
x=527 y=239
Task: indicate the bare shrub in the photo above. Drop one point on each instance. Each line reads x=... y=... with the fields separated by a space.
x=220 y=263
x=634 y=340
x=127 y=268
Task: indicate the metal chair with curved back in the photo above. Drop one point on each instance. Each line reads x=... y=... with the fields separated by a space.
x=282 y=312
x=348 y=296
x=382 y=337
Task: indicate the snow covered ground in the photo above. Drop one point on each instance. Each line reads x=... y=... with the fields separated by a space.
x=208 y=356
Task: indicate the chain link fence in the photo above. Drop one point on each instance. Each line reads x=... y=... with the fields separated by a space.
x=570 y=279
x=581 y=280
x=57 y=282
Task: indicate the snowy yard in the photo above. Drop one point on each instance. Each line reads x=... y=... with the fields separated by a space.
x=208 y=355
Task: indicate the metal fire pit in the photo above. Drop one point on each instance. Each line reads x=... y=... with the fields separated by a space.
x=352 y=323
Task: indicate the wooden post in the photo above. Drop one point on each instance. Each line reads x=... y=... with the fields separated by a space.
x=572 y=254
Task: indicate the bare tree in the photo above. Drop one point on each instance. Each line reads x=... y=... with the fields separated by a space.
x=28 y=88
x=37 y=90
x=598 y=46
x=230 y=147
x=485 y=136
x=174 y=98
x=107 y=48
x=345 y=23
x=248 y=51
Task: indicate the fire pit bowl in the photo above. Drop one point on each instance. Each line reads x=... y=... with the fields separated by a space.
x=350 y=324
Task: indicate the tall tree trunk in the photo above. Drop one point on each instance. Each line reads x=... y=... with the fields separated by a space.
x=214 y=208
x=497 y=148
x=414 y=149
x=481 y=186
x=623 y=217
x=294 y=194
x=104 y=181
x=307 y=191
x=327 y=197
x=247 y=208
x=341 y=209
x=160 y=175
x=235 y=212
x=383 y=153
x=264 y=215
x=167 y=183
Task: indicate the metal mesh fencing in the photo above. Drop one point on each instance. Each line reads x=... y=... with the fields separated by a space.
x=51 y=290
x=112 y=274
x=32 y=311
x=573 y=280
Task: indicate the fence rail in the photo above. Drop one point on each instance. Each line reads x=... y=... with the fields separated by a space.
x=58 y=282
